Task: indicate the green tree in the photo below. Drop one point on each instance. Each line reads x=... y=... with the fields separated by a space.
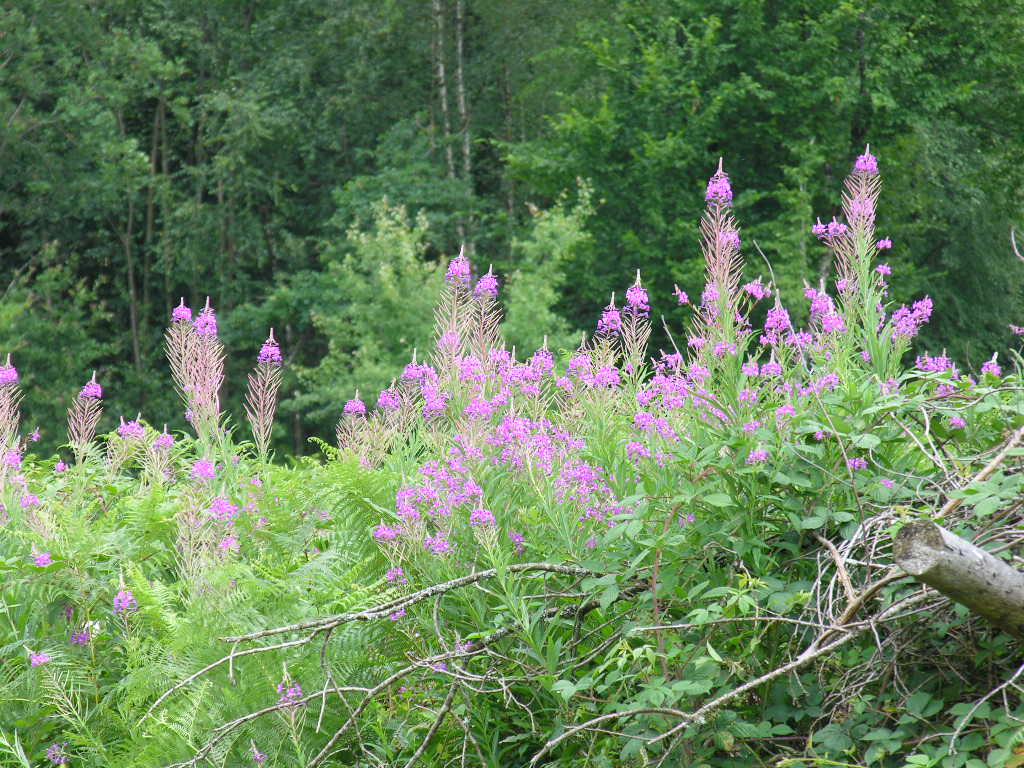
x=781 y=90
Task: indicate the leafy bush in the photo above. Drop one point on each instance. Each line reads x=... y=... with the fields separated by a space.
x=599 y=560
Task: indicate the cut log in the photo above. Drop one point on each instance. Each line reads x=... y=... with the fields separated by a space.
x=963 y=572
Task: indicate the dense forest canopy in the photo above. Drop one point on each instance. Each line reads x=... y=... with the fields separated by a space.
x=308 y=165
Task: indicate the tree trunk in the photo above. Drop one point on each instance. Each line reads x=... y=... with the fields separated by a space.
x=442 y=84
x=460 y=88
x=963 y=572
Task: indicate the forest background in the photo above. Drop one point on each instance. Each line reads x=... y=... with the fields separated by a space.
x=312 y=165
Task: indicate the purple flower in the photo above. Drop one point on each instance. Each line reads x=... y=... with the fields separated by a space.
x=439 y=667
x=719 y=192
x=681 y=296
x=957 y=422
x=519 y=540
x=131 y=429
x=257 y=756
x=935 y=364
x=229 y=544
x=181 y=313
x=355 y=407
x=887 y=482
x=55 y=754
x=29 y=500
x=481 y=516
x=606 y=376
x=203 y=470
x=38 y=659
x=777 y=319
x=125 y=602
x=291 y=693
x=396 y=576
x=8 y=374
x=80 y=638
x=438 y=545
x=163 y=440
x=883 y=269
x=92 y=390
x=636 y=451
x=386 y=532
x=34 y=436
x=866 y=163
x=752 y=426
x=709 y=295
x=487 y=286
x=757 y=290
x=42 y=559
x=992 y=367
x=636 y=298
x=458 y=270
x=757 y=456
x=206 y=323
x=397 y=614
x=832 y=323
x=828 y=231
x=884 y=244
x=59 y=467
x=1017 y=330
x=611 y=320
x=223 y=510
x=388 y=400
x=857 y=463
x=12 y=459
x=785 y=411
x=270 y=352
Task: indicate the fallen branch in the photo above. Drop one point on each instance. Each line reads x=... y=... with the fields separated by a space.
x=963 y=572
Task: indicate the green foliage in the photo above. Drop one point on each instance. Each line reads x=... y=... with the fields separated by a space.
x=536 y=287
x=373 y=303
x=618 y=571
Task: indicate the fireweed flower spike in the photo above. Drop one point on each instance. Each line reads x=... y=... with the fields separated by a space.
x=125 y=602
x=203 y=470
x=487 y=285
x=10 y=398
x=196 y=357
x=181 y=313
x=636 y=297
x=261 y=395
x=55 y=754
x=611 y=320
x=636 y=328
x=206 y=323
x=719 y=191
x=718 y=320
x=83 y=416
x=131 y=430
x=459 y=269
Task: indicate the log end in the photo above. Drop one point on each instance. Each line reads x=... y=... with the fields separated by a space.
x=915 y=545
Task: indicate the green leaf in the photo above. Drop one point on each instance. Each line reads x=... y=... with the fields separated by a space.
x=866 y=441
x=718 y=500
x=713 y=653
